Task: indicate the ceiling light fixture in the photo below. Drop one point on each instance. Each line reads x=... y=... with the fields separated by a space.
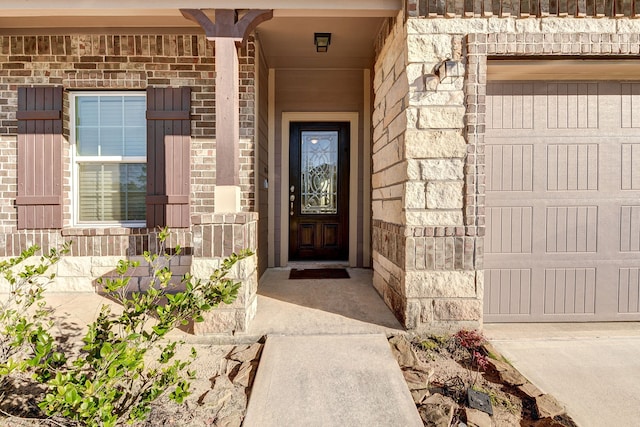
x=322 y=41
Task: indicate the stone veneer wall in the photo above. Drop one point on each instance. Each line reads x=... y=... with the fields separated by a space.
x=423 y=245
x=389 y=123
x=125 y=62
x=428 y=156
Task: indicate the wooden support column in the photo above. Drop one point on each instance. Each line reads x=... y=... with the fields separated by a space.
x=227 y=198
x=228 y=33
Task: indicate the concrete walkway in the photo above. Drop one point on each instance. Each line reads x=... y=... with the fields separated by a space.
x=330 y=380
x=591 y=368
x=326 y=361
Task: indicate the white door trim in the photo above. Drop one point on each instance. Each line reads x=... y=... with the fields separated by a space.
x=354 y=173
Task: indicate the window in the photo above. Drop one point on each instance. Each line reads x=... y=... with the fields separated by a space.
x=110 y=153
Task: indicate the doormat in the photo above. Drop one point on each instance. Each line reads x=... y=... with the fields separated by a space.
x=319 y=273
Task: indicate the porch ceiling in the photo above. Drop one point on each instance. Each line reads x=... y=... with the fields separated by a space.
x=288 y=42
x=287 y=39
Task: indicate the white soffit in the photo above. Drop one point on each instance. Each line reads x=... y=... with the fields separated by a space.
x=564 y=69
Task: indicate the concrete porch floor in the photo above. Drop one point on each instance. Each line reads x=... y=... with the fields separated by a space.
x=285 y=307
x=320 y=306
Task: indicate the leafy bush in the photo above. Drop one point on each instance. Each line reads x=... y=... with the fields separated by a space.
x=126 y=361
x=24 y=318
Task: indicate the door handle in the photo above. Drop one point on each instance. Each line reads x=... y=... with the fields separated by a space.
x=292 y=198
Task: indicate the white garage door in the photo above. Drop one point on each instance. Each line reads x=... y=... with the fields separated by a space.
x=562 y=201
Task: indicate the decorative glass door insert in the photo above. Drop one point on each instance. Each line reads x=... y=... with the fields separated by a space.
x=319 y=174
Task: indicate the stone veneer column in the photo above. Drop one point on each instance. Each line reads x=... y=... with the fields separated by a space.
x=423 y=192
x=215 y=237
x=443 y=287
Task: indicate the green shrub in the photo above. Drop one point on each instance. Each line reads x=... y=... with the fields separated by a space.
x=126 y=361
x=24 y=318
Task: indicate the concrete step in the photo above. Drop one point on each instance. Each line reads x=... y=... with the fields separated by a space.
x=330 y=380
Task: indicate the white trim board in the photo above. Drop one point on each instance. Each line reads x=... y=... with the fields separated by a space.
x=352 y=118
x=272 y=169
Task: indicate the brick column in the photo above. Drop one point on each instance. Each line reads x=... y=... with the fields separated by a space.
x=215 y=237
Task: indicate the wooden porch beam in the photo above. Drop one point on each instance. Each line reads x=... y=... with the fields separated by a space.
x=227 y=24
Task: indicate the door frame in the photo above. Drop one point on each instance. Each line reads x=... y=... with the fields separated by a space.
x=352 y=118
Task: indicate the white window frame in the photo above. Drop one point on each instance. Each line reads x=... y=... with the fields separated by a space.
x=77 y=160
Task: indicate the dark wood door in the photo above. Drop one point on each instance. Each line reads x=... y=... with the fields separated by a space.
x=319 y=191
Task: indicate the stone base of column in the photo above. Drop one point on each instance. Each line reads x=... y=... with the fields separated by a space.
x=428 y=281
x=215 y=237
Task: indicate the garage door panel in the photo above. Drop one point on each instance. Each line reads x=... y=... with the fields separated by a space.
x=563 y=202
x=569 y=290
x=571 y=229
x=630 y=157
x=572 y=105
x=572 y=167
x=511 y=167
x=630 y=228
x=629 y=290
x=510 y=106
x=510 y=229
x=507 y=291
x=630 y=100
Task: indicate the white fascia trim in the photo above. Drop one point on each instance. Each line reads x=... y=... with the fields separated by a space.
x=344 y=8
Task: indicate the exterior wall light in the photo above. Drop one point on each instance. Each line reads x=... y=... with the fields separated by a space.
x=322 y=41
x=448 y=71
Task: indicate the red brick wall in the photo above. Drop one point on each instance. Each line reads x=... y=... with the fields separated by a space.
x=121 y=62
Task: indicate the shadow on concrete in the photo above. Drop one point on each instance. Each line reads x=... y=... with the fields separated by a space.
x=320 y=306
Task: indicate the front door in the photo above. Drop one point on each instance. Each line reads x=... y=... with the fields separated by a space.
x=319 y=191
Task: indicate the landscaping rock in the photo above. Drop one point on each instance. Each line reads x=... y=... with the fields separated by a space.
x=219 y=395
x=476 y=418
x=234 y=420
x=419 y=395
x=512 y=377
x=499 y=365
x=508 y=373
x=222 y=367
x=403 y=351
x=548 y=407
x=417 y=377
x=549 y=422
x=437 y=411
x=443 y=371
x=246 y=353
x=245 y=374
x=232 y=368
x=530 y=390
